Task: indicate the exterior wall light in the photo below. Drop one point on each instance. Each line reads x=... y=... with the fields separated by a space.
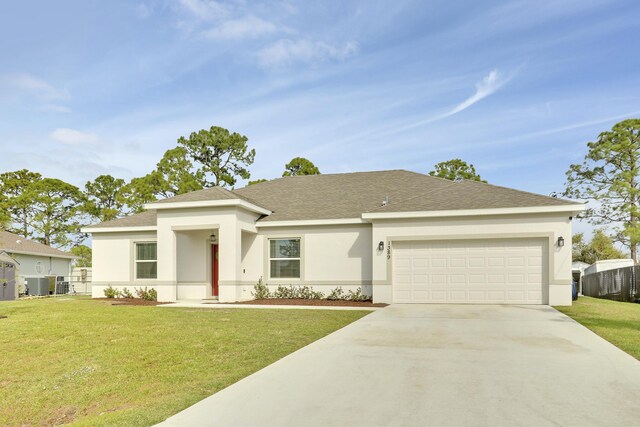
x=560 y=241
x=381 y=246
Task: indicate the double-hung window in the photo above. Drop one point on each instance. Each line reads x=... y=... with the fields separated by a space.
x=146 y=261
x=284 y=258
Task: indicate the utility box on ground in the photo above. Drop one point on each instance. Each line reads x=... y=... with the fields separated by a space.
x=38 y=285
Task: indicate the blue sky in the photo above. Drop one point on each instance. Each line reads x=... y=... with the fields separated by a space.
x=515 y=87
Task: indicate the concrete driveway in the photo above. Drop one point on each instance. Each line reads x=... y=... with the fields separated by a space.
x=420 y=365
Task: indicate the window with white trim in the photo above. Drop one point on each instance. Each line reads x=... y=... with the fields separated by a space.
x=146 y=260
x=284 y=258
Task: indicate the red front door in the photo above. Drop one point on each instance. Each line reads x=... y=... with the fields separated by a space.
x=214 y=269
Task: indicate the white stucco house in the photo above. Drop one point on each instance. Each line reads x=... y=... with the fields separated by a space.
x=403 y=237
x=35 y=260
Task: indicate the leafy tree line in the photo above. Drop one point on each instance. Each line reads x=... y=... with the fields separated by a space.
x=610 y=177
x=53 y=211
x=599 y=248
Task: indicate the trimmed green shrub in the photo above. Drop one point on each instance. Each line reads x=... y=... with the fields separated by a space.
x=336 y=294
x=260 y=290
x=356 y=295
x=147 y=294
x=126 y=293
x=284 y=292
x=111 y=292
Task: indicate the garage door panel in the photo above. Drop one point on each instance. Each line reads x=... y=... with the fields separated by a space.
x=420 y=262
x=534 y=295
x=494 y=279
x=477 y=296
x=495 y=271
x=438 y=262
x=516 y=261
x=534 y=278
x=477 y=279
x=494 y=295
x=402 y=279
x=457 y=262
x=439 y=296
x=496 y=247
x=516 y=295
x=516 y=279
x=420 y=279
x=476 y=262
x=495 y=261
x=458 y=295
x=403 y=262
x=534 y=261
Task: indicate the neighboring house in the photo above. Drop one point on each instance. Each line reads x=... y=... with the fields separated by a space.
x=81 y=280
x=35 y=259
x=401 y=236
x=577 y=271
x=608 y=264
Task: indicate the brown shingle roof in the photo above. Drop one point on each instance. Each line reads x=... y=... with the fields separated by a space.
x=349 y=195
x=143 y=219
x=471 y=195
x=335 y=196
x=213 y=193
x=11 y=243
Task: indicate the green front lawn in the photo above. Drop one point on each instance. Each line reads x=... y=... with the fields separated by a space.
x=616 y=322
x=78 y=360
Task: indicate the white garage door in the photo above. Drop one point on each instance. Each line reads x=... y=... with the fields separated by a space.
x=491 y=271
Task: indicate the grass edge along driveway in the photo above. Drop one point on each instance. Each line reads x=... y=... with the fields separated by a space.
x=81 y=361
x=616 y=322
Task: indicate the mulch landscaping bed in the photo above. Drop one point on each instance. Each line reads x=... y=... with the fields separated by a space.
x=312 y=302
x=130 y=301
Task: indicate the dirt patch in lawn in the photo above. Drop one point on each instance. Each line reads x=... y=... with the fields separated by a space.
x=130 y=301
x=312 y=302
x=62 y=415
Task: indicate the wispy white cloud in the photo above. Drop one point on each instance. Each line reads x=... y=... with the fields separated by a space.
x=487 y=86
x=242 y=28
x=35 y=85
x=285 y=52
x=205 y=9
x=73 y=137
x=143 y=10
x=214 y=20
x=33 y=93
x=558 y=130
x=55 y=108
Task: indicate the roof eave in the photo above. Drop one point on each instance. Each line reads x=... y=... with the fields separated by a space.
x=209 y=203
x=573 y=209
x=119 y=229
x=310 y=222
x=69 y=256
